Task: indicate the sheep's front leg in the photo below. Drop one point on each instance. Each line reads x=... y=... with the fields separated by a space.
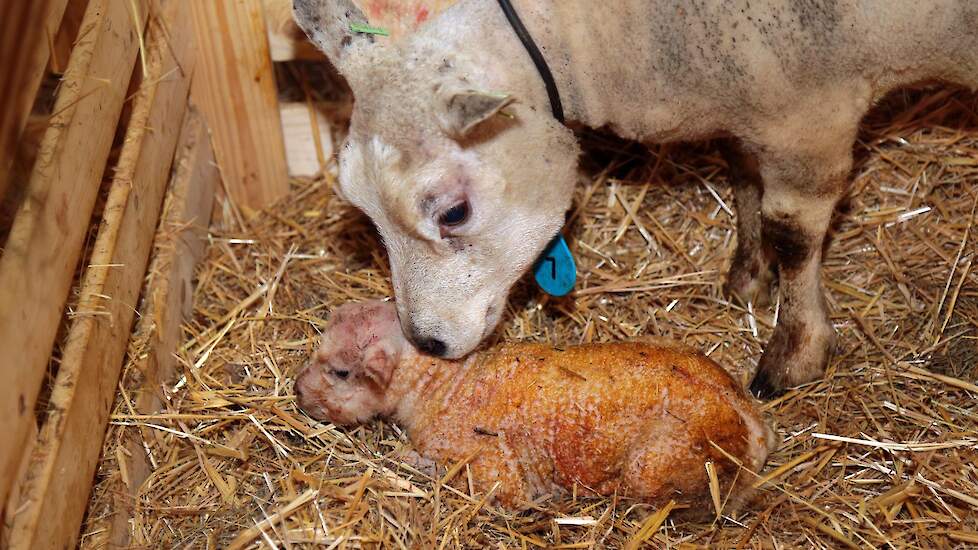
x=800 y=195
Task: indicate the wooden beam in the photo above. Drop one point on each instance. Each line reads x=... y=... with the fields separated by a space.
x=235 y=90
x=26 y=30
x=63 y=464
x=286 y=40
x=167 y=304
x=308 y=141
x=45 y=241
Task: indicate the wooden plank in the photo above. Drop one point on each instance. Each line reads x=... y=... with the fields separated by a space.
x=45 y=241
x=18 y=482
x=62 y=466
x=67 y=33
x=21 y=37
x=27 y=147
x=235 y=90
x=167 y=303
x=37 y=105
x=308 y=141
x=286 y=41
x=25 y=30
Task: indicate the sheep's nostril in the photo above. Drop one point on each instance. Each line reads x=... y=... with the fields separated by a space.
x=427 y=344
x=432 y=346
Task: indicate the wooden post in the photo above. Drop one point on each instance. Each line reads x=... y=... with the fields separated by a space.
x=46 y=238
x=59 y=479
x=235 y=90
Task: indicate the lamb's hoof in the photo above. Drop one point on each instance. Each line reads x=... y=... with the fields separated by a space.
x=420 y=463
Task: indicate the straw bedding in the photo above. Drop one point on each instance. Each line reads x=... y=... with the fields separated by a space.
x=882 y=452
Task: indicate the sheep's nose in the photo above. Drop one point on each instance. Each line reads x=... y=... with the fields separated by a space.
x=431 y=346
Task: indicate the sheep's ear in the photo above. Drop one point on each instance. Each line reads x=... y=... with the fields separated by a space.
x=327 y=23
x=461 y=111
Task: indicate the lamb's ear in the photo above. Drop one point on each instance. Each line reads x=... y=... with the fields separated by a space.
x=379 y=364
x=461 y=111
x=327 y=24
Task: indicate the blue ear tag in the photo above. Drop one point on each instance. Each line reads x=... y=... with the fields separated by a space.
x=555 y=271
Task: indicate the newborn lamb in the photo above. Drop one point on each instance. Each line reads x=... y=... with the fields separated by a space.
x=634 y=418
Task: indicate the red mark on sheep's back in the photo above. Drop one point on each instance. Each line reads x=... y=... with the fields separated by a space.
x=421 y=16
x=377 y=8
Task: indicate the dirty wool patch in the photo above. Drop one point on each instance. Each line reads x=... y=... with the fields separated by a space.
x=881 y=453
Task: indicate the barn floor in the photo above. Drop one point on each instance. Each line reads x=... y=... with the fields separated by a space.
x=882 y=452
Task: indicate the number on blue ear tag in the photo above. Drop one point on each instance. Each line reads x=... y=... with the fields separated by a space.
x=555 y=271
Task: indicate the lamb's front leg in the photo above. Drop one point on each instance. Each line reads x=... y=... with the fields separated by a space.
x=800 y=195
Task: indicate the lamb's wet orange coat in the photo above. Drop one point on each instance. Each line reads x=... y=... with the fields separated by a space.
x=634 y=418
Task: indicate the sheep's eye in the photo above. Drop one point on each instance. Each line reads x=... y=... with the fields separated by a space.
x=341 y=373
x=455 y=215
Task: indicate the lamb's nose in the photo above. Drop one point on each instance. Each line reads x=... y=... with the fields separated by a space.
x=305 y=385
x=431 y=346
x=300 y=388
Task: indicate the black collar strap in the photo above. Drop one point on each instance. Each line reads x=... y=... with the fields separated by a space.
x=537 y=57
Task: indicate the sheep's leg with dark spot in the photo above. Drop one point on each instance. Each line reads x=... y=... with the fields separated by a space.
x=800 y=195
x=750 y=275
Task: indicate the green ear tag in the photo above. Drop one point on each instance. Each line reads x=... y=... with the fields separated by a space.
x=555 y=271
x=367 y=29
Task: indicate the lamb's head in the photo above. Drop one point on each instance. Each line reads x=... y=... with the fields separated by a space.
x=347 y=378
x=465 y=182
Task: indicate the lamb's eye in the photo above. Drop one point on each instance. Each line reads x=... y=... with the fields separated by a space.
x=455 y=215
x=341 y=373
